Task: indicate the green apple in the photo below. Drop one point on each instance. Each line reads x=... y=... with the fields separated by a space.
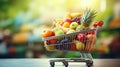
x=73 y=25
x=70 y=31
x=79 y=45
x=56 y=29
x=58 y=33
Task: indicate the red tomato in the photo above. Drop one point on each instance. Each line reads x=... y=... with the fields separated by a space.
x=95 y=25
x=100 y=23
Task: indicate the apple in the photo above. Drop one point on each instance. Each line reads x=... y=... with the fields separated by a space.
x=50 y=47
x=81 y=37
x=79 y=45
x=53 y=41
x=58 y=31
x=68 y=20
x=73 y=46
x=70 y=31
x=73 y=25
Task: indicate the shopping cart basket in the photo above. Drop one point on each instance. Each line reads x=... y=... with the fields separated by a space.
x=72 y=42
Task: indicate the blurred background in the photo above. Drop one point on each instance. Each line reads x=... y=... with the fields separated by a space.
x=21 y=23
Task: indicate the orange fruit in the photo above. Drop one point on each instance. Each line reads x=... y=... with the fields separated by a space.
x=47 y=33
x=66 y=24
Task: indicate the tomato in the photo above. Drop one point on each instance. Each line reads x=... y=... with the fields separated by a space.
x=100 y=23
x=95 y=25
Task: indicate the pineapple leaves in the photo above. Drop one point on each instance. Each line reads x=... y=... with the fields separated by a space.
x=88 y=16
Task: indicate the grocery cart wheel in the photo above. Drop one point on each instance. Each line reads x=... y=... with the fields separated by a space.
x=89 y=64
x=52 y=64
x=65 y=63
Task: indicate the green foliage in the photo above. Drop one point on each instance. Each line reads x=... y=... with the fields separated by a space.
x=88 y=16
x=103 y=15
x=8 y=8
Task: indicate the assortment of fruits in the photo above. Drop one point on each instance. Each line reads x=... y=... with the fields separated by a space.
x=67 y=33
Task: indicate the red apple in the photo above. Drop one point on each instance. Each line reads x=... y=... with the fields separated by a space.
x=81 y=37
x=68 y=20
x=73 y=46
x=53 y=41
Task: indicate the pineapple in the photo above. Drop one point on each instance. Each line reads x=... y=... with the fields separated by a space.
x=86 y=19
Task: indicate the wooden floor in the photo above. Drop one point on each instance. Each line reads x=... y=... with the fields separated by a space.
x=45 y=63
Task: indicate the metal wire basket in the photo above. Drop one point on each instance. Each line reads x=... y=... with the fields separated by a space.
x=73 y=42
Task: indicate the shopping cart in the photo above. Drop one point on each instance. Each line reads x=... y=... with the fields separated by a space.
x=67 y=43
